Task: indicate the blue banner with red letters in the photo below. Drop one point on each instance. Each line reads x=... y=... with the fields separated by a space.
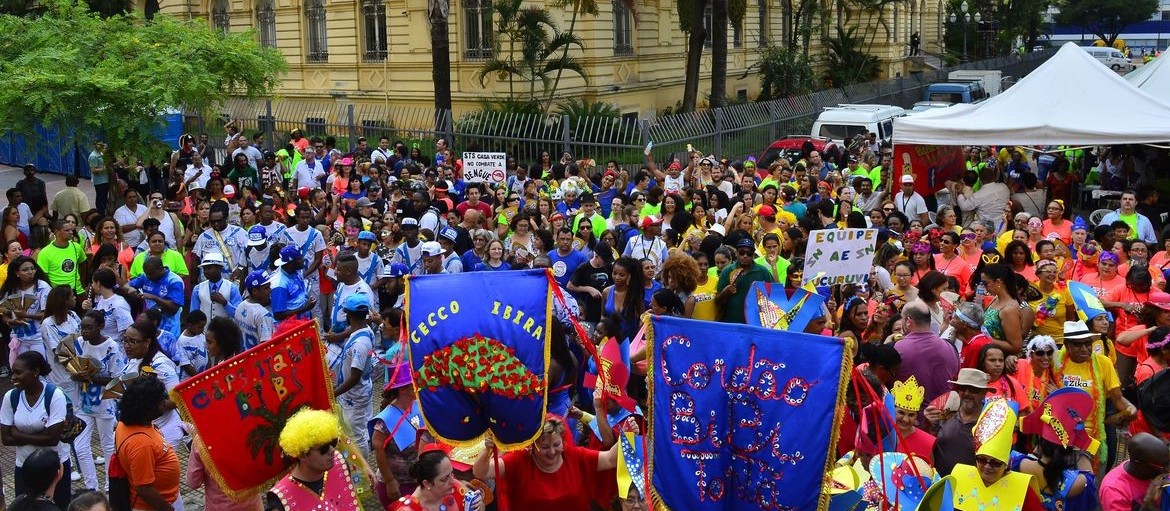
x=742 y=418
x=478 y=350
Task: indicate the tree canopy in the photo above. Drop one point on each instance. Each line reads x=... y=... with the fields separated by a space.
x=1105 y=18
x=112 y=77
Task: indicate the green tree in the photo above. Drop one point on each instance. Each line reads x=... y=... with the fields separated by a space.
x=114 y=76
x=1105 y=18
x=783 y=73
x=533 y=45
x=848 y=63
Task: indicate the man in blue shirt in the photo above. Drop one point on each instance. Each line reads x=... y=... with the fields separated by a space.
x=162 y=288
x=289 y=293
x=564 y=259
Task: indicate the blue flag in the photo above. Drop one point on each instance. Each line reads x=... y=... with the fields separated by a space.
x=768 y=305
x=1087 y=302
x=742 y=418
x=478 y=349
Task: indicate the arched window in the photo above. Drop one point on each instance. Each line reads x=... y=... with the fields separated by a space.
x=374 y=21
x=318 y=34
x=266 y=23
x=221 y=15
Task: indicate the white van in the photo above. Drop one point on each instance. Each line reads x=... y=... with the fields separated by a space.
x=843 y=122
x=1111 y=57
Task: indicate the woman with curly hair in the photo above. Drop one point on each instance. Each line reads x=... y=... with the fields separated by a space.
x=680 y=274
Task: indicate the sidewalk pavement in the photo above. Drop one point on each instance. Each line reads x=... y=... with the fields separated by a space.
x=53 y=182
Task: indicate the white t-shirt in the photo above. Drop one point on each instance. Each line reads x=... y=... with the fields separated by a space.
x=307 y=176
x=125 y=217
x=911 y=206
x=32 y=419
x=256 y=323
x=113 y=362
x=201 y=181
x=255 y=157
x=193 y=352
x=352 y=353
x=118 y=315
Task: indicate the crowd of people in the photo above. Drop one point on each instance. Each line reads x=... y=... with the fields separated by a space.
x=183 y=263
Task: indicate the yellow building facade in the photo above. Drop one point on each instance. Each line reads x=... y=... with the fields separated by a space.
x=378 y=51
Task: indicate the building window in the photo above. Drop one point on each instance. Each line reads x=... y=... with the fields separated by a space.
x=477 y=15
x=736 y=34
x=374 y=17
x=764 y=25
x=221 y=15
x=623 y=29
x=317 y=31
x=266 y=23
x=707 y=26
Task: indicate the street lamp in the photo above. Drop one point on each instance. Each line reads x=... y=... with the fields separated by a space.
x=966 y=19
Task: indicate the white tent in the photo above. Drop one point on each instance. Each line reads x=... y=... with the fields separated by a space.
x=1154 y=77
x=1070 y=99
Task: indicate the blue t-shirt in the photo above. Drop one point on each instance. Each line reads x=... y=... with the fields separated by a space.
x=289 y=292
x=169 y=286
x=564 y=266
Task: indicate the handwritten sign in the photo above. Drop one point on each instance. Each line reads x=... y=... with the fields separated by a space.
x=480 y=360
x=839 y=256
x=480 y=167
x=239 y=406
x=742 y=418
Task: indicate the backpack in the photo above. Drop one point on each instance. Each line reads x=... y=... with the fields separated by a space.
x=1154 y=400
x=119 y=479
x=73 y=424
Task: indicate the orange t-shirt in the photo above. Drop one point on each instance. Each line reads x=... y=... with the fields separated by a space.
x=148 y=460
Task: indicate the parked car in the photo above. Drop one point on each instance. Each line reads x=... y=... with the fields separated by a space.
x=843 y=122
x=787 y=147
x=1111 y=57
x=923 y=106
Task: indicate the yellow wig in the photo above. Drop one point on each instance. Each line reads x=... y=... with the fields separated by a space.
x=307 y=429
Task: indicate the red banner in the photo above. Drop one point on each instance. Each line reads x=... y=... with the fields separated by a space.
x=239 y=407
x=933 y=165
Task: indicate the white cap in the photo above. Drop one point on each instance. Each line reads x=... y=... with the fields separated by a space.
x=432 y=249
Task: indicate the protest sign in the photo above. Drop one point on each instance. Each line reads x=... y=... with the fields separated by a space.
x=839 y=256
x=484 y=167
x=742 y=418
x=240 y=406
x=480 y=360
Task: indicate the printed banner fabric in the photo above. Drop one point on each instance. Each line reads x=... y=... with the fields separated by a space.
x=742 y=418
x=933 y=166
x=239 y=407
x=479 y=351
x=839 y=256
x=769 y=305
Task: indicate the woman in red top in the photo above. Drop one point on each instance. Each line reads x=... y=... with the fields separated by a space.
x=1056 y=223
x=438 y=489
x=550 y=474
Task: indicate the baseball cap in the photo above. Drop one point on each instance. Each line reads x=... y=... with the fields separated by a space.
x=604 y=251
x=257 y=236
x=767 y=210
x=366 y=236
x=587 y=198
x=650 y=220
x=395 y=270
x=449 y=233
x=212 y=258
x=408 y=222
x=432 y=249
x=256 y=279
x=674 y=166
x=364 y=202
x=229 y=191
x=442 y=186
x=907 y=178
x=357 y=302
x=745 y=243
x=288 y=254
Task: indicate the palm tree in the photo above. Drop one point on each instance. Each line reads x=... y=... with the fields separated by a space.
x=690 y=15
x=579 y=6
x=533 y=45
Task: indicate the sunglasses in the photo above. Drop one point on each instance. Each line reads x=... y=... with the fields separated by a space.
x=990 y=258
x=967 y=236
x=989 y=462
x=327 y=448
x=1044 y=353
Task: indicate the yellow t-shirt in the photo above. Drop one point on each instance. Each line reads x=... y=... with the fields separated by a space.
x=1081 y=376
x=705 y=301
x=1053 y=324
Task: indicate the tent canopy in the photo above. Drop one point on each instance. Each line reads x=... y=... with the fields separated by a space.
x=1154 y=78
x=1070 y=99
